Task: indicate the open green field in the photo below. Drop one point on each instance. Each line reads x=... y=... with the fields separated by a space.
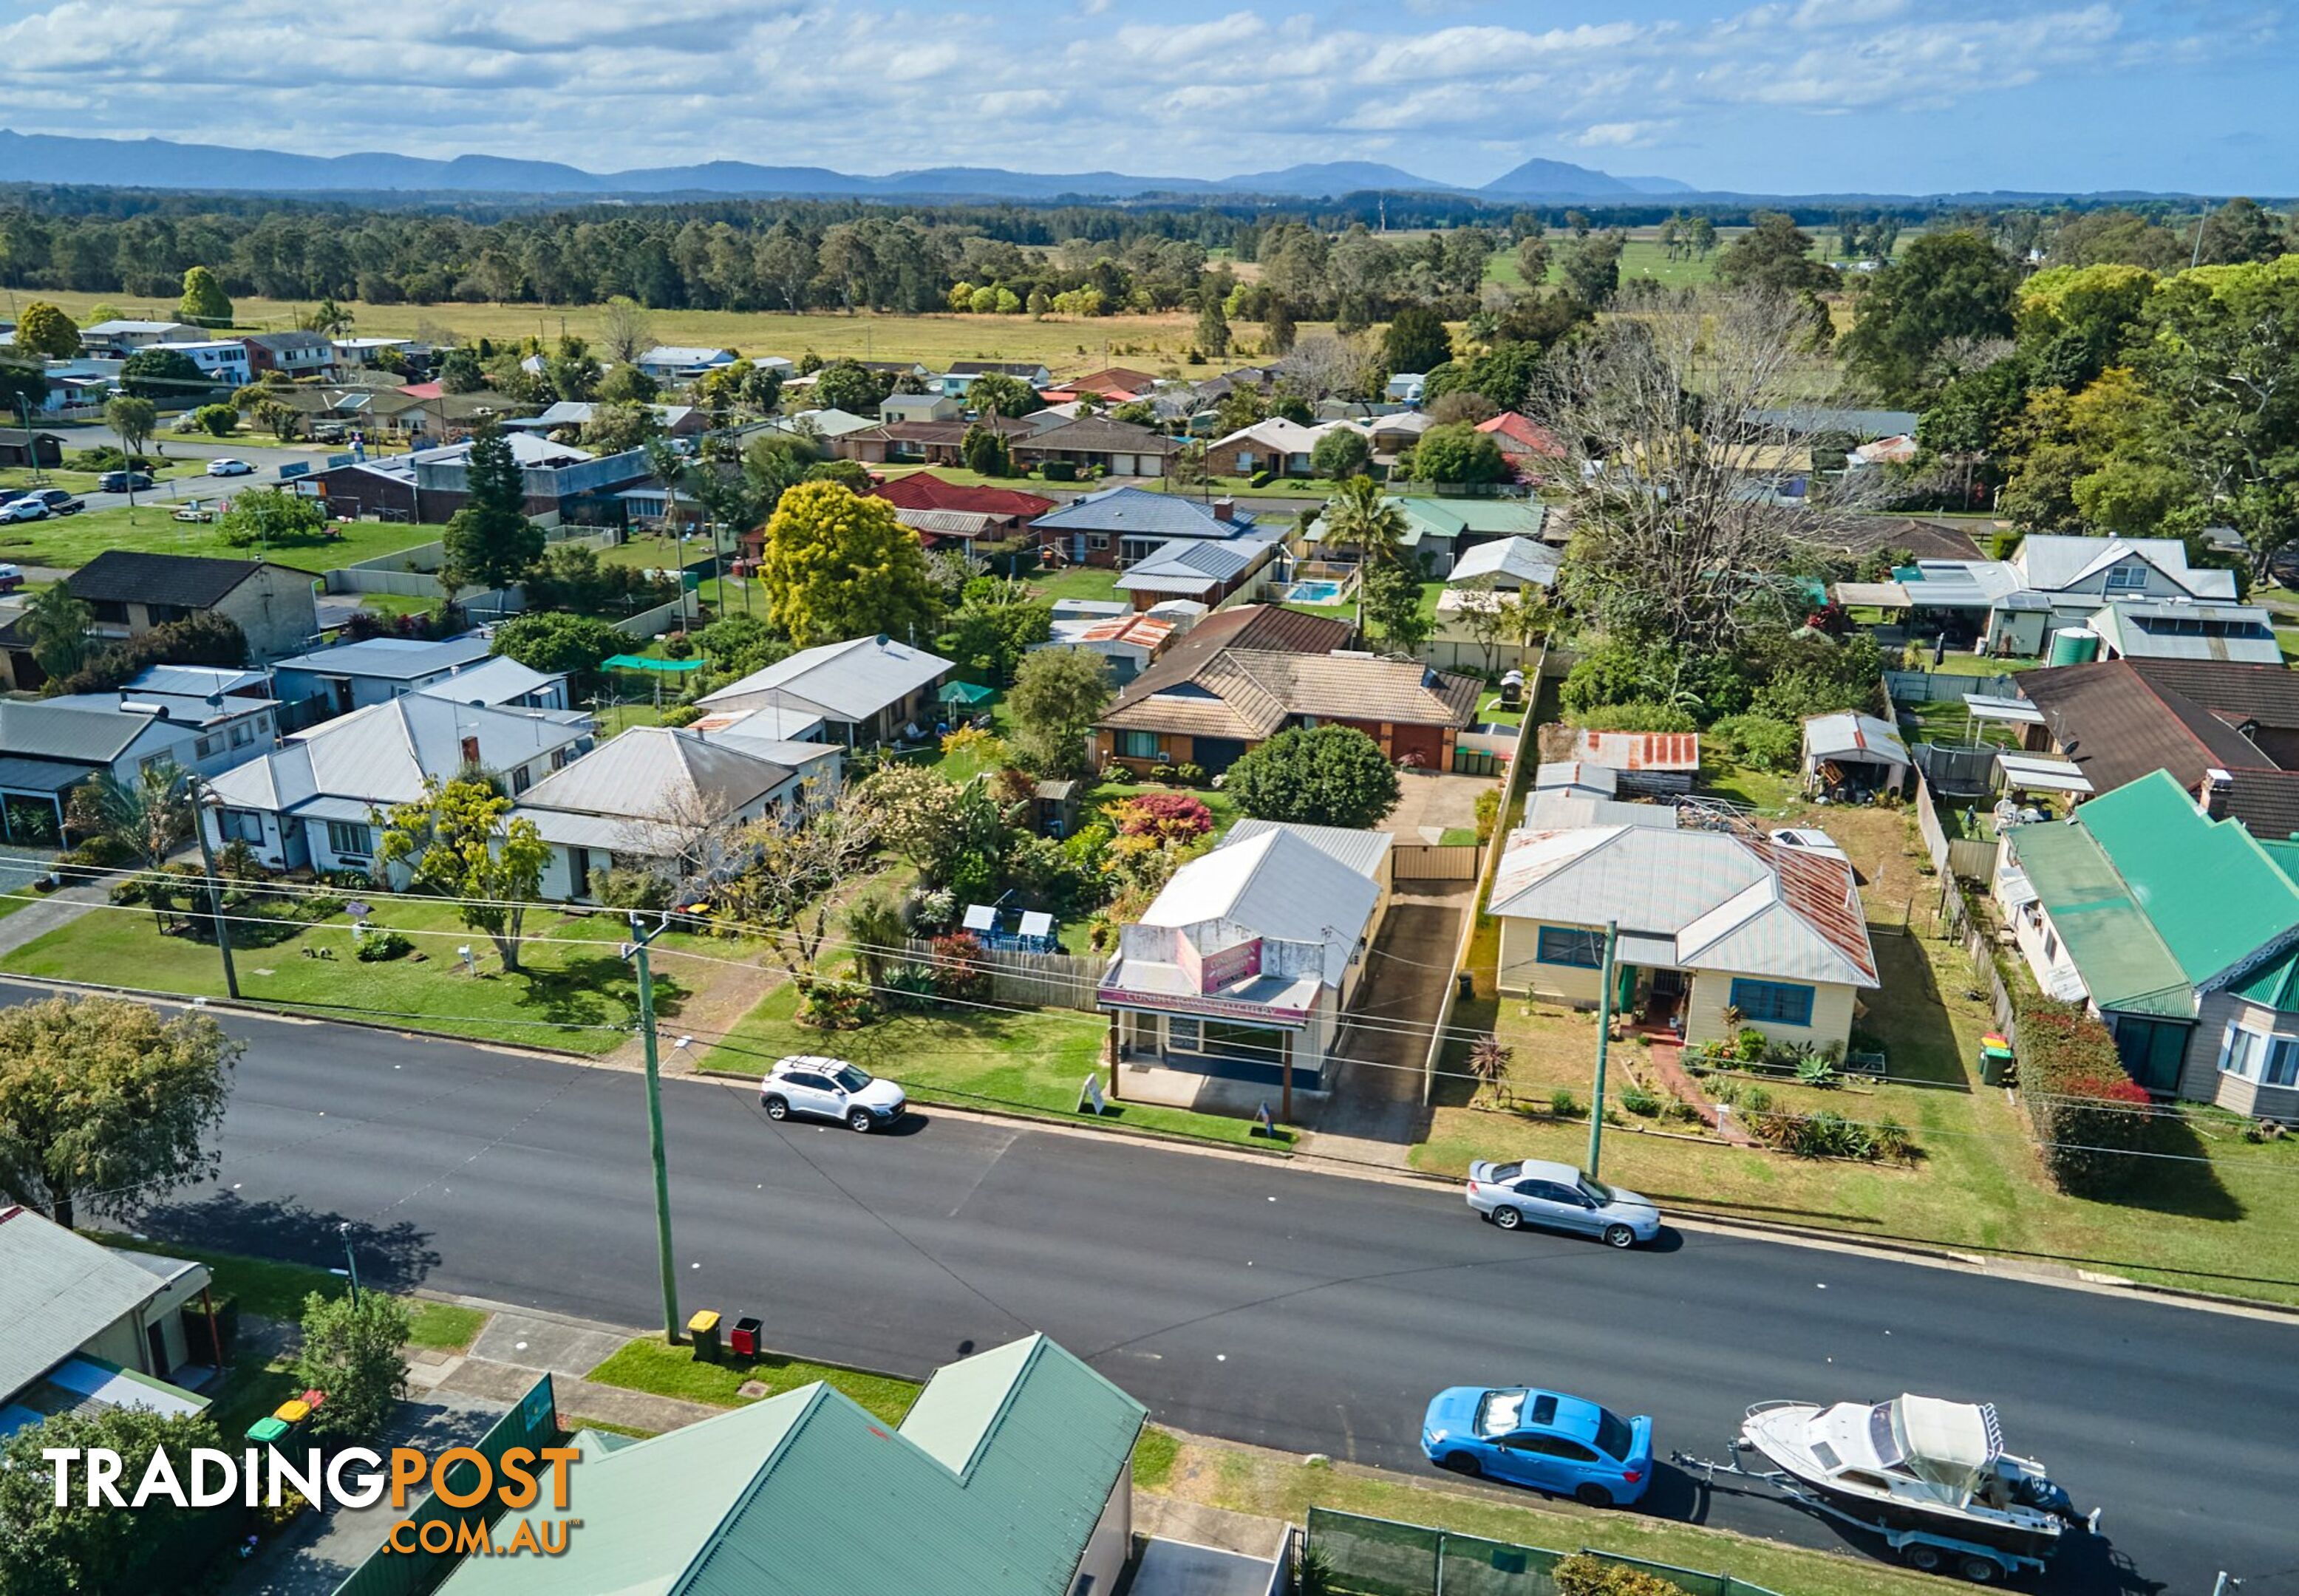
x=71 y=541
x=572 y=991
x=1065 y=346
x=1033 y=1061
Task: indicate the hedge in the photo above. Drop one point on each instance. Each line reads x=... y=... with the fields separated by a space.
x=2087 y=1109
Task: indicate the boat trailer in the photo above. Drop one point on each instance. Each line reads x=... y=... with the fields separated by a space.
x=1920 y=1549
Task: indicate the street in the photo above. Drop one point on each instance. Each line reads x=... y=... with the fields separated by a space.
x=1259 y=1302
x=265 y=456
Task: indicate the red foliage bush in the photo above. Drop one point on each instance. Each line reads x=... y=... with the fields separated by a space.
x=958 y=970
x=2088 y=1111
x=1168 y=816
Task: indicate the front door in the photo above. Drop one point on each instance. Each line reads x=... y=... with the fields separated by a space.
x=579 y=872
x=2154 y=1051
x=155 y=1342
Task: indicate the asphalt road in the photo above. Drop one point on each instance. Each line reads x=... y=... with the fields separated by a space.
x=1260 y=1303
x=267 y=459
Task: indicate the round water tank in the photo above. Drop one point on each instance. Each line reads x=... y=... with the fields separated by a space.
x=2077 y=645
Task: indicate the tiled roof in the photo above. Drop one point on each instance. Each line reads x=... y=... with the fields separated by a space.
x=1250 y=692
x=1136 y=512
x=2268 y=694
x=122 y=577
x=1099 y=434
x=1526 y=434
x=1264 y=626
x=923 y=490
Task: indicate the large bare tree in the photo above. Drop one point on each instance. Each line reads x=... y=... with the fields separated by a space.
x=1678 y=417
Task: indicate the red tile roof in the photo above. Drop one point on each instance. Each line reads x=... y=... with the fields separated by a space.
x=923 y=490
x=1526 y=434
x=424 y=391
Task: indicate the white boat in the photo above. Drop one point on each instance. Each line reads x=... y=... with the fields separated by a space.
x=1931 y=1475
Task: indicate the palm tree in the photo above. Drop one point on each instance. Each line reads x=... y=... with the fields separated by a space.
x=57 y=624
x=1360 y=515
x=151 y=816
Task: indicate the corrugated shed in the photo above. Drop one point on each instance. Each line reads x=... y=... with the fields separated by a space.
x=1671 y=751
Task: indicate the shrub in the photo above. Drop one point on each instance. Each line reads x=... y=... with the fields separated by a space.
x=1161 y=772
x=1813 y=1071
x=1637 y=714
x=828 y=1005
x=1168 y=816
x=911 y=987
x=377 y=946
x=678 y=645
x=683 y=715
x=1187 y=774
x=1756 y=1100
x=1563 y=1104
x=1585 y=1573
x=1640 y=1102
x=1059 y=471
x=958 y=971
x=1488 y=812
x=1758 y=741
x=2085 y=1111
x=1325 y=775
x=621 y=886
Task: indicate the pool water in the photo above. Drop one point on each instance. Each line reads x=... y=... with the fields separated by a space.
x=1312 y=592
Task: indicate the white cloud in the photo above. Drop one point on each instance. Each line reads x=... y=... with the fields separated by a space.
x=1619 y=136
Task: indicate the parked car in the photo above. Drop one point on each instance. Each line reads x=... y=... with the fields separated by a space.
x=1556 y=1197
x=11 y=577
x=1564 y=1445
x=121 y=482
x=60 y=501
x=830 y=1088
x=27 y=508
x=222 y=467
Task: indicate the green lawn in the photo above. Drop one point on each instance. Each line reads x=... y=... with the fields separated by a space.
x=1033 y=1061
x=443 y=1327
x=580 y=997
x=260 y=1286
x=71 y=541
x=1088 y=582
x=1222 y=805
x=647 y=1365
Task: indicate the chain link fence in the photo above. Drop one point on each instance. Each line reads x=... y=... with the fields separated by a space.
x=1379 y=1557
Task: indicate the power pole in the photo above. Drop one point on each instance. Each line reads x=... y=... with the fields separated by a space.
x=640 y=938
x=215 y=888
x=1604 y=1039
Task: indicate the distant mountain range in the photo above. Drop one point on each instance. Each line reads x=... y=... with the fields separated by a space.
x=163 y=163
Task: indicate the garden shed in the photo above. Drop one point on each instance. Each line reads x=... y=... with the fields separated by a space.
x=1857 y=755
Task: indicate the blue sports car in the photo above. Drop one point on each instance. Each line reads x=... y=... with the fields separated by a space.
x=1545 y=1439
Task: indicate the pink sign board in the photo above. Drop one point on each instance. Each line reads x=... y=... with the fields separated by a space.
x=1229 y=966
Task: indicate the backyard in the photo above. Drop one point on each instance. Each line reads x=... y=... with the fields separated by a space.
x=2213 y=1215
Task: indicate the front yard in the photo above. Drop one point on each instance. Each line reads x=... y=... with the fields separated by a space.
x=1031 y=1061
x=152 y=528
x=2213 y=1214
x=573 y=990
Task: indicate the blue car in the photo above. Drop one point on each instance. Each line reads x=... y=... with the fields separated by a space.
x=1545 y=1439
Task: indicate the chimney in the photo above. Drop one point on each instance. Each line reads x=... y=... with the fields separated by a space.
x=1224 y=510
x=2211 y=793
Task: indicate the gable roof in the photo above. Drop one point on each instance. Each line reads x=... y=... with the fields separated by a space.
x=1137 y=512
x=390 y=659
x=1521 y=559
x=57 y=1290
x=652 y=785
x=380 y=755
x=2268 y=694
x=850 y=680
x=1738 y=904
x=497 y=680
x=31 y=729
x=1192 y=566
x=1275 y=884
x=992 y=1485
x=2119 y=719
x=1528 y=434
x=123 y=576
x=923 y=490
x=2054 y=563
x=1264 y=626
x=1099 y=434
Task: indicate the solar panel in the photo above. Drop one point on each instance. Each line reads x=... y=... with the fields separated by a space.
x=980 y=917
x=1037 y=923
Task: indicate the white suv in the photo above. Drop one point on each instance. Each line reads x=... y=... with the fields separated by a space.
x=830 y=1088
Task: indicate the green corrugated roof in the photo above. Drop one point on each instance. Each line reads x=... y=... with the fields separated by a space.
x=2214 y=896
x=992 y=1487
x=2124 y=963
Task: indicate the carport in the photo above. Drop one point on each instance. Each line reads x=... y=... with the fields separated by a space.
x=32 y=799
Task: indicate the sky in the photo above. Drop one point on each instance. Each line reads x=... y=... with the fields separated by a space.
x=1784 y=96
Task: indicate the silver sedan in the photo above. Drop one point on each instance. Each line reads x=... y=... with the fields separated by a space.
x=1556 y=1197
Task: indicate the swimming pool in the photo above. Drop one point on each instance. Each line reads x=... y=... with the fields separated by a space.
x=1311 y=592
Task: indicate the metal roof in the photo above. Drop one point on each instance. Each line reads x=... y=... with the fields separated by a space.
x=1364 y=852
x=1639 y=751
x=850 y=680
x=1850 y=735
x=39 y=775
x=659 y=773
x=992 y=1485
x=1138 y=513
x=1520 y=558
x=2123 y=963
x=2055 y=562
x=1193 y=564
x=2182 y=629
x=88 y=735
x=123 y=576
x=1982 y=706
x=57 y=1291
x=501 y=680
x=380 y=755
x=2041 y=772
x=1274 y=884
x=390 y=659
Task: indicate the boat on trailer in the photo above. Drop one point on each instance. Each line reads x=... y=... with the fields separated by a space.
x=1930 y=1477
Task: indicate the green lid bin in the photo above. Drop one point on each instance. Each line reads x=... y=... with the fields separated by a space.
x=268 y=1431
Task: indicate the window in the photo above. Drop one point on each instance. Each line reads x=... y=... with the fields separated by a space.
x=521 y=779
x=1139 y=745
x=240 y=825
x=2282 y=1063
x=2051 y=946
x=207 y=747
x=2128 y=579
x=242 y=734
x=1569 y=946
x=2270 y=1060
x=1773 y=1002
x=1097 y=540
x=2239 y=1051
x=1184 y=1035
x=349 y=839
x=559 y=758
x=471 y=750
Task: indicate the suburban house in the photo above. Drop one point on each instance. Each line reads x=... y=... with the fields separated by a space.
x=928 y=442
x=84 y=1327
x=1480 y=584
x=1012 y=1472
x=791 y=738
x=1439 y=531
x=655 y=799
x=961 y=374
x=940 y=511
x=1276 y=446
x=1210 y=573
x=1126 y=642
x=1098 y=443
x=1229 y=687
x=2053 y=585
x=562 y=483
x=2178 y=929
x=866 y=690
x=1529 y=447
x=1718 y=930
x=2186 y=629
x=1118 y=527
x=676 y=420
x=131 y=594
x=221 y=360
x=680 y=362
x=920 y=406
x=1406 y=387
x=2228 y=733
x=354 y=354
x=50 y=746
x=117 y=339
x=352 y=676
x=295 y=353
x=1112 y=385
x=503 y=684
x=1244 y=965
x=310 y=802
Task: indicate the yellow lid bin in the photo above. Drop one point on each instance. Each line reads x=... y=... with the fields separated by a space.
x=702 y=1330
x=295 y=1410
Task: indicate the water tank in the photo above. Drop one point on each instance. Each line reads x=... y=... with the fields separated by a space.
x=2077 y=645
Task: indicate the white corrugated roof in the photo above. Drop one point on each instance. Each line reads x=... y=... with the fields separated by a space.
x=1848 y=735
x=390 y=659
x=659 y=773
x=57 y=1290
x=849 y=681
x=497 y=680
x=1274 y=885
x=1362 y=851
x=381 y=754
x=1506 y=559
